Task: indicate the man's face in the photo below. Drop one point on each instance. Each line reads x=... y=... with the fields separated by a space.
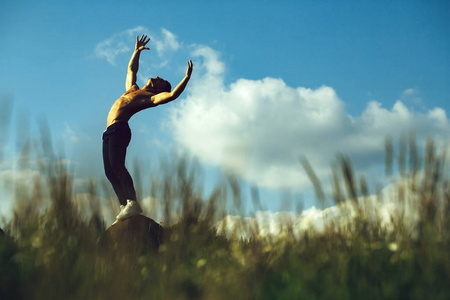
x=157 y=83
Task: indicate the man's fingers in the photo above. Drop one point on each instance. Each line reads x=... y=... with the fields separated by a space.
x=189 y=70
x=143 y=40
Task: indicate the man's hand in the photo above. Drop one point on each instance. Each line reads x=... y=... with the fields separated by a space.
x=141 y=42
x=165 y=97
x=189 y=69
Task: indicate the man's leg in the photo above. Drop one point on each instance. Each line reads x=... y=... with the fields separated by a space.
x=115 y=181
x=117 y=155
x=115 y=145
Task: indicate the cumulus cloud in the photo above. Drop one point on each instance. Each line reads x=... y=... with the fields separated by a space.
x=385 y=209
x=278 y=224
x=259 y=129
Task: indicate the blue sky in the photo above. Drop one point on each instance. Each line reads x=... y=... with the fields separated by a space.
x=272 y=81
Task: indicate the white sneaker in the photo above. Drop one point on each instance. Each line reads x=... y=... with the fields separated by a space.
x=121 y=208
x=132 y=208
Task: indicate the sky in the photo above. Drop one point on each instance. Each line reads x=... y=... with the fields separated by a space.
x=273 y=82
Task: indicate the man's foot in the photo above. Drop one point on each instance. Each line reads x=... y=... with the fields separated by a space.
x=121 y=208
x=131 y=209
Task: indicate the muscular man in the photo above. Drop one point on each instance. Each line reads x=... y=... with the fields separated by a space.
x=117 y=135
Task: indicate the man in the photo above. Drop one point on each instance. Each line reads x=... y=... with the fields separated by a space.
x=117 y=135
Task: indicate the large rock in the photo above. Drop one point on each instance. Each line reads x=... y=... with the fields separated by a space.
x=136 y=233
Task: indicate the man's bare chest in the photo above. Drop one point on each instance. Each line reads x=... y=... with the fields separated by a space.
x=132 y=100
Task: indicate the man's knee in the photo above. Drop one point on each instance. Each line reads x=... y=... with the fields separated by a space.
x=110 y=175
x=120 y=171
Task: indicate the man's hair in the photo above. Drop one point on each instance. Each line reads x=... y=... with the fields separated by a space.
x=167 y=86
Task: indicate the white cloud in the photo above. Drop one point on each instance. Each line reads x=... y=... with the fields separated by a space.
x=409 y=92
x=277 y=224
x=118 y=43
x=168 y=42
x=258 y=129
x=123 y=43
x=396 y=203
x=120 y=46
x=412 y=96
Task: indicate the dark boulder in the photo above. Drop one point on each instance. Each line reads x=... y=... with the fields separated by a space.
x=136 y=234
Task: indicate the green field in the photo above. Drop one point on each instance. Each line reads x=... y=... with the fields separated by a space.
x=53 y=249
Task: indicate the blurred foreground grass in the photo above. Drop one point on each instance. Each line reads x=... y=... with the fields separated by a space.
x=52 y=247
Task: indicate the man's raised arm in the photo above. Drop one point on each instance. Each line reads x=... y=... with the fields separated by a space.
x=133 y=66
x=165 y=97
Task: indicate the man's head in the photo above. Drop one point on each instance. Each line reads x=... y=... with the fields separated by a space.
x=158 y=85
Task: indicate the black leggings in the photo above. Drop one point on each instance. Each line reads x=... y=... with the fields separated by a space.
x=115 y=142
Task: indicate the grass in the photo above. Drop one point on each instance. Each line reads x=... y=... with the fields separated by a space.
x=52 y=248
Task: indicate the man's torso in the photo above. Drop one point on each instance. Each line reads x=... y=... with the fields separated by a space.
x=131 y=102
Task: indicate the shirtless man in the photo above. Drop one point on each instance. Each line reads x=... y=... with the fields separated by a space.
x=117 y=135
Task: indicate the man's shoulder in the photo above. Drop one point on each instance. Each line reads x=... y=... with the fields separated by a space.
x=133 y=88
